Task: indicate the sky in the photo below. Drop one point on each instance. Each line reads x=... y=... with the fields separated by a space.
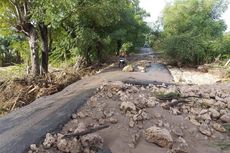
x=155 y=7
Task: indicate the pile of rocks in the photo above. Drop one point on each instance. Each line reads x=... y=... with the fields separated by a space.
x=140 y=66
x=207 y=107
x=90 y=143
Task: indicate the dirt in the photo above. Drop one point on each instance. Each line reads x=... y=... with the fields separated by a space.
x=130 y=110
x=19 y=92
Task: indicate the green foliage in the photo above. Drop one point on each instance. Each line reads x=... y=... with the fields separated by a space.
x=127 y=47
x=89 y=28
x=192 y=31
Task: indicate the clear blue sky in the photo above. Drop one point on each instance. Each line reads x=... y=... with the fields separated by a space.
x=155 y=7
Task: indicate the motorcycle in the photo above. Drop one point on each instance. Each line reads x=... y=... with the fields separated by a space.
x=122 y=62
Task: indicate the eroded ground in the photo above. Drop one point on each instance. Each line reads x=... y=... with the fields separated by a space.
x=159 y=119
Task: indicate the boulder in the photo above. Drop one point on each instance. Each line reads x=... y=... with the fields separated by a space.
x=225 y=118
x=158 y=136
x=205 y=129
x=214 y=113
x=127 y=106
x=128 y=68
x=180 y=146
x=218 y=127
x=49 y=141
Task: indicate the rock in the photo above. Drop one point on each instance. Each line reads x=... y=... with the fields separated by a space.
x=225 y=118
x=218 y=127
x=113 y=120
x=140 y=116
x=228 y=105
x=180 y=146
x=204 y=117
x=128 y=68
x=159 y=136
x=92 y=141
x=74 y=116
x=62 y=145
x=141 y=69
x=208 y=102
x=204 y=129
x=108 y=113
x=151 y=102
x=175 y=111
x=223 y=111
x=214 y=113
x=131 y=123
x=74 y=146
x=134 y=89
x=33 y=147
x=178 y=131
x=203 y=111
x=202 y=68
x=80 y=128
x=127 y=106
x=49 y=141
x=117 y=85
x=81 y=115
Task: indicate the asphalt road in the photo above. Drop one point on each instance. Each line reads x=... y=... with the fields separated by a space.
x=29 y=124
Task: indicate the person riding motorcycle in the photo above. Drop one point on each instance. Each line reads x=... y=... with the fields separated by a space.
x=122 y=59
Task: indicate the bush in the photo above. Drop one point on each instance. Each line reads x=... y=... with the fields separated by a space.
x=127 y=47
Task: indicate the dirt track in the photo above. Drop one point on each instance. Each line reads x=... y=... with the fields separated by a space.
x=29 y=124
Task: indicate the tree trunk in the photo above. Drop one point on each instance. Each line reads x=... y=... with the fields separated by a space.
x=32 y=37
x=45 y=47
x=99 y=47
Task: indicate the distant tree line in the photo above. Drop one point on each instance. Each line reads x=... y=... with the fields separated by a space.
x=191 y=32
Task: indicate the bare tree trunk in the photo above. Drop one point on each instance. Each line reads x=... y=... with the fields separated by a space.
x=32 y=37
x=45 y=47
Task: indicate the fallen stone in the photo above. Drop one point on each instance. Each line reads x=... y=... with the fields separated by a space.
x=218 y=127
x=159 y=136
x=225 y=118
x=208 y=102
x=128 y=68
x=74 y=116
x=151 y=102
x=49 y=141
x=127 y=106
x=214 y=113
x=92 y=141
x=140 y=116
x=113 y=120
x=131 y=123
x=205 y=129
x=178 y=131
x=33 y=147
x=62 y=145
x=180 y=146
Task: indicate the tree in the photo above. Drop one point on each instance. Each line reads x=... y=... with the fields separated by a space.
x=16 y=15
x=191 y=28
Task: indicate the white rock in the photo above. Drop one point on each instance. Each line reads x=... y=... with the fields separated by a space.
x=62 y=144
x=127 y=106
x=161 y=137
x=218 y=127
x=49 y=141
x=180 y=146
x=225 y=118
x=131 y=123
x=92 y=140
x=214 y=113
x=33 y=147
x=204 y=129
x=128 y=68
